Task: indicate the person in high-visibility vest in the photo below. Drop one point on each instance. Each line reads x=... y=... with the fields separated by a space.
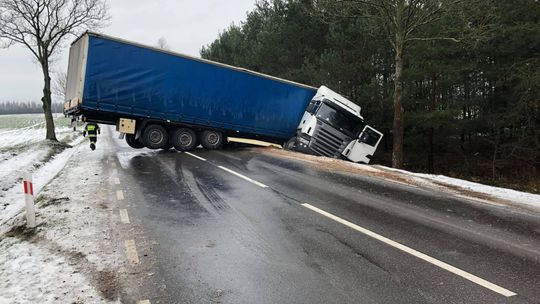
x=93 y=130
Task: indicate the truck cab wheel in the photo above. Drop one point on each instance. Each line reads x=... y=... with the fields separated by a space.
x=132 y=142
x=184 y=139
x=155 y=137
x=211 y=139
x=290 y=145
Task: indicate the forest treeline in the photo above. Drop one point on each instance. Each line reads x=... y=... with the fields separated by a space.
x=471 y=77
x=16 y=107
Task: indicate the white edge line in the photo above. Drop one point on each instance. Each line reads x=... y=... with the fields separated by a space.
x=197 y=157
x=243 y=177
x=471 y=277
x=231 y=171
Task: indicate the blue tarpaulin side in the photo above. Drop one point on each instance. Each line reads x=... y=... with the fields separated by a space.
x=134 y=80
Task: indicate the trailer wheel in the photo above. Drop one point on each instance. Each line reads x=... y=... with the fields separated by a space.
x=155 y=137
x=184 y=139
x=132 y=142
x=211 y=139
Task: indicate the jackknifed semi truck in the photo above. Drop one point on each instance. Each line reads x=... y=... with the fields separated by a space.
x=160 y=99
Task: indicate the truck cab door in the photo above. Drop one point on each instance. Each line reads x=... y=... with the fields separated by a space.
x=308 y=122
x=365 y=146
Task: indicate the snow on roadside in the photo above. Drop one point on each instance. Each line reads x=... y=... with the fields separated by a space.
x=74 y=255
x=503 y=193
x=23 y=149
x=476 y=191
x=520 y=197
x=79 y=198
x=12 y=200
x=32 y=274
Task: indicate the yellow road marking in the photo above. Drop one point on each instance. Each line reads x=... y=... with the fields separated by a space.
x=124 y=217
x=131 y=252
x=144 y=302
x=119 y=195
x=252 y=142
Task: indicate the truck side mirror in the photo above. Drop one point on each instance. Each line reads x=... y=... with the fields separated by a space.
x=313 y=106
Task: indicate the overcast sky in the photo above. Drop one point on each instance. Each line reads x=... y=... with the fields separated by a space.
x=186 y=25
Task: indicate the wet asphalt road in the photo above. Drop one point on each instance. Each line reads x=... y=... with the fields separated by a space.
x=209 y=236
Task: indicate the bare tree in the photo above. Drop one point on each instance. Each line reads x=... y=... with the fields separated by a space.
x=59 y=86
x=401 y=20
x=162 y=44
x=42 y=26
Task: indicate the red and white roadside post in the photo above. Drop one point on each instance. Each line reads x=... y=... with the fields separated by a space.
x=29 y=200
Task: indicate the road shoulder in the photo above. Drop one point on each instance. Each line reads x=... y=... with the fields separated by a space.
x=460 y=189
x=72 y=255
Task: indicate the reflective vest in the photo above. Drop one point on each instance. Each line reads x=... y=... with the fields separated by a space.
x=92 y=130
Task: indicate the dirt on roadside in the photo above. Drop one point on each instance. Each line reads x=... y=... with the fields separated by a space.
x=333 y=165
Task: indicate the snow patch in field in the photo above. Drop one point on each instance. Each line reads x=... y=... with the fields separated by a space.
x=26 y=136
x=22 y=160
x=8 y=131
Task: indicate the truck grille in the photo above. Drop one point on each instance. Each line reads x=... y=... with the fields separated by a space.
x=327 y=141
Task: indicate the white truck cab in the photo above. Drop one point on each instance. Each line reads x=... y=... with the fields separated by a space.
x=333 y=126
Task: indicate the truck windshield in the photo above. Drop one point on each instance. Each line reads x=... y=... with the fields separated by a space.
x=340 y=119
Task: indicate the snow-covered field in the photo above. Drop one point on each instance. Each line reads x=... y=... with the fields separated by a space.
x=18 y=132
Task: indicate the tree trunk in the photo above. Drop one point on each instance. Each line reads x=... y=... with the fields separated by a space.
x=495 y=151
x=47 y=102
x=431 y=131
x=397 y=148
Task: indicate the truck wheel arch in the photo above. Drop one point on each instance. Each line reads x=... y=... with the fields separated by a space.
x=133 y=142
x=290 y=145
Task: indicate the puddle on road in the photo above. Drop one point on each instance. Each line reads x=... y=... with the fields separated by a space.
x=125 y=157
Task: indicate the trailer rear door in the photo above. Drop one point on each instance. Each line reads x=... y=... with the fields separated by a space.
x=78 y=54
